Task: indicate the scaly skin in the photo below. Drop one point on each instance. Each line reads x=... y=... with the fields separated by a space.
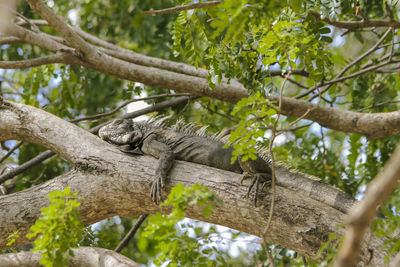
x=166 y=145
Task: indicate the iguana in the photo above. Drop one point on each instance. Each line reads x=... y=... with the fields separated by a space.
x=167 y=144
x=183 y=143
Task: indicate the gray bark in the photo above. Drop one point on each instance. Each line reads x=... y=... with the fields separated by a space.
x=83 y=256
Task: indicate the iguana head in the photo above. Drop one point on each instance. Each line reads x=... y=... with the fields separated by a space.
x=121 y=132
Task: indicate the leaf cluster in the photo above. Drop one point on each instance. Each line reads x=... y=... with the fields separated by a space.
x=163 y=229
x=58 y=229
x=255 y=118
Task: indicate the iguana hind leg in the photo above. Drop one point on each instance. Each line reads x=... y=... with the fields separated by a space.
x=257 y=179
x=259 y=171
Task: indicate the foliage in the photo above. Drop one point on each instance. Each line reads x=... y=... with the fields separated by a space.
x=12 y=238
x=249 y=44
x=387 y=225
x=254 y=113
x=162 y=228
x=58 y=229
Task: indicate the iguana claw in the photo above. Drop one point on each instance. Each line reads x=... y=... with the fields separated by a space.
x=264 y=178
x=155 y=192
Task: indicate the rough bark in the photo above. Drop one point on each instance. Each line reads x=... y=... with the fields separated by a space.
x=84 y=256
x=113 y=183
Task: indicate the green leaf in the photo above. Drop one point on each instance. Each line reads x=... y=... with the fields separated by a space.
x=58 y=229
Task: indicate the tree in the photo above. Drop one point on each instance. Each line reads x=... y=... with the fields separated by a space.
x=320 y=75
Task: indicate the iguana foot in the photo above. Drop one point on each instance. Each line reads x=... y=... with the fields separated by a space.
x=155 y=191
x=264 y=178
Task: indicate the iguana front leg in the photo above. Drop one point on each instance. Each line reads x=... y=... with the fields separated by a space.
x=154 y=146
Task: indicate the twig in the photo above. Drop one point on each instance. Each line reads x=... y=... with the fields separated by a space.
x=11 y=151
x=389 y=11
x=180 y=8
x=294 y=129
x=156 y=107
x=361 y=215
x=269 y=256
x=346 y=68
x=354 y=25
x=273 y=178
x=47 y=154
x=380 y=104
x=353 y=75
x=131 y=233
x=295 y=83
x=384 y=57
x=299 y=118
x=386 y=45
x=27 y=165
x=222 y=115
x=392 y=46
x=34 y=27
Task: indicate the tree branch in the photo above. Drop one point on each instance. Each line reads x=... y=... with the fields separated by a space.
x=375 y=125
x=38 y=39
x=354 y=25
x=131 y=233
x=125 y=103
x=130 y=56
x=10 y=152
x=62 y=28
x=362 y=214
x=372 y=125
x=84 y=256
x=59 y=57
x=346 y=68
x=9 y=40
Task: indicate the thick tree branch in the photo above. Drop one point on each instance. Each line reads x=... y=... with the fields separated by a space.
x=130 y=56
x=61 y=27
x=372 y=125
x=112 y=183
x=84 y=256
x=362 y=214
x=47 y=128
x=39 y=39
